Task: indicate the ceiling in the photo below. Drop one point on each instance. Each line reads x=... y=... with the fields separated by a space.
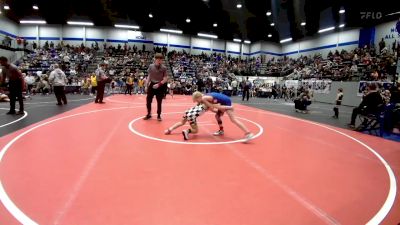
x=247 y=23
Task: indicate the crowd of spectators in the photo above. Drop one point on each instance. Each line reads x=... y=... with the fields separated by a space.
x=124 y=65
x=208 y=71
x=37 y=65
x=358 y=64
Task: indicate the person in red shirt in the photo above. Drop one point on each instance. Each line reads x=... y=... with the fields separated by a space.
x=15 y=84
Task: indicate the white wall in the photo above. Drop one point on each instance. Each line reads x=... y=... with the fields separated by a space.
x=95 y=34
x=266 y=49
x=139 y=39
x=245 y=50
x=200 y=45
x=50 y=33
x=115 y=37
x=218 y=46
x=28 y=31
x=350 y=90
x=291 y=49
x=178 y=42
x=73 y=35
x=387 y=31
x=323 y=44
x=270 y=50
x=255 y=49
x=348 y=39
x=233 y=49
x=161 y=38
x=8 y=27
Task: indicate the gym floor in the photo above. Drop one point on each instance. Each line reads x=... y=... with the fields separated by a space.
x=86 y=163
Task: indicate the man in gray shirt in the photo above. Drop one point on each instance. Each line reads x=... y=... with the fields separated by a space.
x=102 y=79
x=156 y=85
x=58 y=80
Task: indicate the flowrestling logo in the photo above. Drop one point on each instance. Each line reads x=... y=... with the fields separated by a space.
x=371 y=15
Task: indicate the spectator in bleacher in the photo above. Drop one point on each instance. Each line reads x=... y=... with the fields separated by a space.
x=15 y=84
x=156 y=85
x=45 y=85
x=66 y=58
x=188 y=89
x=200 y=85
x=386 y=95
x=371 y=104
x=382 y=45
x=46 y=45
x=29 y=80
x=395 y=93
x=59 y=80
x=7 y=41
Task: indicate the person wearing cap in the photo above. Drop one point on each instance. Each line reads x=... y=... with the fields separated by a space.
x=156 y=85
x=58 y=80
x=101 y=78
x=15 y=84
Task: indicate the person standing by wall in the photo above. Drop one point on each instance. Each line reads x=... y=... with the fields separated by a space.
x=246 y=89
x=93 y=83
x=234 y=85
x=129 y=85
x=141 y=85
x=101 y=83
x=339 y=98
x=15 y=85
x=58 y=80
x=135 y=82
x=156 y=85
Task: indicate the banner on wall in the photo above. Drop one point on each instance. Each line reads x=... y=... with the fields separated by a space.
x=264 y=84
x=292 y=83
x=318 y=86
x=362 y=86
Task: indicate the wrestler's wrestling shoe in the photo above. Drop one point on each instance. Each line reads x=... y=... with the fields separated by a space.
x=218 y=133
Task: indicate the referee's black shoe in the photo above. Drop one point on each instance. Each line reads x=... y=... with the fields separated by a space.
x=147 y=117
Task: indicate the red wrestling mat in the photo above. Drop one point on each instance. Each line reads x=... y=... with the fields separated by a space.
x=102 y=164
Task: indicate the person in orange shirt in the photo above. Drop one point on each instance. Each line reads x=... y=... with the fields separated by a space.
x=141 y=85
x=129 y=85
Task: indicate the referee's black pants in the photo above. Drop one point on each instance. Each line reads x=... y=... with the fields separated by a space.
x=15 y=93
x=159 y=93
x=60 y=94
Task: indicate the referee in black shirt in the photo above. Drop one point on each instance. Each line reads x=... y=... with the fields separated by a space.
x=156 y=85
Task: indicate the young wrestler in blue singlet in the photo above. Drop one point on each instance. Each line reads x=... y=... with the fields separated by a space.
x=221 y=103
